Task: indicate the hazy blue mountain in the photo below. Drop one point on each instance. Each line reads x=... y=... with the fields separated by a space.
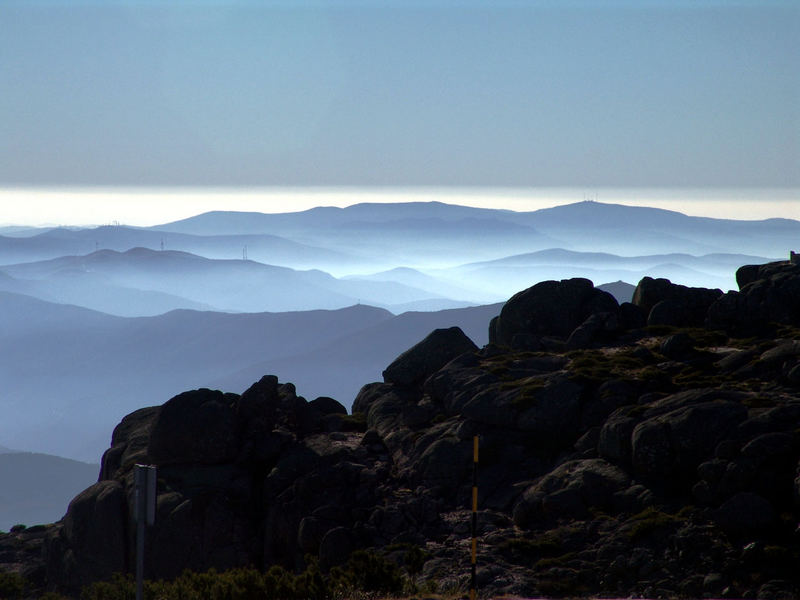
x=69 y=374
x=621 y=290
x=324 y=217
x=37 y=488
x=585 y=226
x=561 y=256
x=618 y=229
x=679 y=273
x=21 y=230
x=429 y=283
x=432 y=304
x=231 y=285
x=422 y=232
x=342 y=366
x=4 y=450
x=98 y=292
x=506 y=275
x=263 y=247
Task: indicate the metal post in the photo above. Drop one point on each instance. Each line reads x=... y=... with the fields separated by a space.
x=144 y=486
x=473 y=589
x=139 y=484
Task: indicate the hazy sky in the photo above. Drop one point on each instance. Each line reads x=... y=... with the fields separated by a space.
x=433 y=93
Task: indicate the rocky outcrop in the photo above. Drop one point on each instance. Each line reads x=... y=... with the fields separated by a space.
x=768 y=294
x=615 y=459
x=416 y=364
x=549 y=308
x=667 y=303
x=95 y=538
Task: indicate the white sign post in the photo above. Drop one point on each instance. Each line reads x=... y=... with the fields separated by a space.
x=144 y=485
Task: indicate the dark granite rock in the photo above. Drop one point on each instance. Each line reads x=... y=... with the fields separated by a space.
x=746 y=514
x=667 y=303
x=570 y=491
x=416 y=364
x=91 y=543
x=675 y=443
x=550 y=308
x=768 y=294
x=195 y=427
x=677 y=346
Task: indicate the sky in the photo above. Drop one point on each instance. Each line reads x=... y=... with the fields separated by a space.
x=388 y=93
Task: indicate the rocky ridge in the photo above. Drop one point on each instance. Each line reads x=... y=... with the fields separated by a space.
x=649 y=448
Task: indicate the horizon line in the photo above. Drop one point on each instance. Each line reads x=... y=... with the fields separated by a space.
x=143 y=206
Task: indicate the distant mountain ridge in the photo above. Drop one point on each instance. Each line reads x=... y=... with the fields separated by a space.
x=103 y=365
x=474 y=255
x=239 y=285
x=620 y=229
x=37 y=488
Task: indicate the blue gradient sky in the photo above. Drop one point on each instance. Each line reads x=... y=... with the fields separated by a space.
x=435 y=93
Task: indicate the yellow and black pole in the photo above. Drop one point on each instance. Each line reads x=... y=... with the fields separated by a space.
x=472 y=584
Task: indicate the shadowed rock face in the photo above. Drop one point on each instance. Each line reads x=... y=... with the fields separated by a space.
x=667 y=303
x=198 y=427
x=768 y=293
x=549 y=308
x=613 y=460
x=414 y=365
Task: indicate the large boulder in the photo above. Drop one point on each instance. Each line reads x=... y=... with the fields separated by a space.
x=672 y=444
x=667 y=303
x=91 y=544
x=745 y=514
x=549 y=308
x=129 y=443
x=570 y=490
x=200 y=426
x=416 y=364
x=768 y=293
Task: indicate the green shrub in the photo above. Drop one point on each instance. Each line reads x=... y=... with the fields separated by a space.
x=12 y=585
x=279 y=583
x=648 y=521
x=355 y=422
x=120 y=587
x=367 y=571
x=415 y=559
x=554 y=561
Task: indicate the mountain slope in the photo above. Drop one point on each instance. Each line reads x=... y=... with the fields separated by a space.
x=264 y=247
x=70 y=373
x=235 y=285
x=579 y=226
x=37 y=488
x=340 y=367
x=509 y=273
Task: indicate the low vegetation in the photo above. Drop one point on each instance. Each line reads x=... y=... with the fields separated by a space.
x=366 y=574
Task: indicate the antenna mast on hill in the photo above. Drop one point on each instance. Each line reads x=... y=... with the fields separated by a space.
x=244 y=252
x=162 y=244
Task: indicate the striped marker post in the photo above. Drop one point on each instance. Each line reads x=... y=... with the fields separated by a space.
x=473 y=586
